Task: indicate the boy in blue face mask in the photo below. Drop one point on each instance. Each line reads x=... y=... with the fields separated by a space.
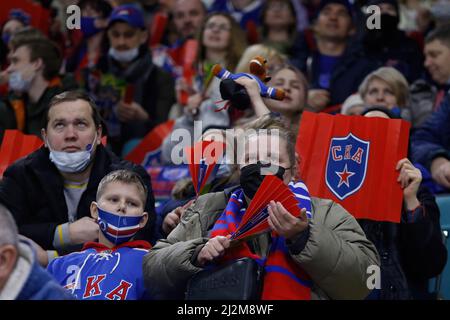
x=110 y=269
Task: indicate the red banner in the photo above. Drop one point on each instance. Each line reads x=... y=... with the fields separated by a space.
x=16 y=145
x=352 y=160
x=150 y=144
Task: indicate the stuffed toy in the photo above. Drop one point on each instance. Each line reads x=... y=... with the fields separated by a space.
x=236 y=94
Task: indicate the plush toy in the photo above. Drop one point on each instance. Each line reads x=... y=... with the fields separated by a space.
x=236 y=94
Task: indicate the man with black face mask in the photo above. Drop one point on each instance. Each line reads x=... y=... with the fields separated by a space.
x=389 y=45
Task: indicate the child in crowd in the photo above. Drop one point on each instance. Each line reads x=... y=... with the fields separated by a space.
x=110 y=269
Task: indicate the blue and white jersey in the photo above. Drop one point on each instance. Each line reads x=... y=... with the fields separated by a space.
x=101 y=273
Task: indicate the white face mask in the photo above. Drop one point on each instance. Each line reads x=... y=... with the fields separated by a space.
x=72 y=162
x=18 y=83
x=124 y=56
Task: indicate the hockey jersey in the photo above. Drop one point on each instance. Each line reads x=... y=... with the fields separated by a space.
x=101 y=273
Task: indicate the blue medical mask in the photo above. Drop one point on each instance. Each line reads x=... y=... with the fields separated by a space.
x=18 y=83
x=72 y=162
x=88 y=27
x=116 y=228
x=123 y=56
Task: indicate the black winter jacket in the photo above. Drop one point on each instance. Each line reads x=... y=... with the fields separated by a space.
x=410 y=253
x=33 y=190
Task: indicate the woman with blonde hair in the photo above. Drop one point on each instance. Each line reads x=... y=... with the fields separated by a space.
x=221 y=41
x=386 y=87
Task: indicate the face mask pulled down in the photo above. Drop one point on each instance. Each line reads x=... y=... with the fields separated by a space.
x=123 y=56
x=72 y=162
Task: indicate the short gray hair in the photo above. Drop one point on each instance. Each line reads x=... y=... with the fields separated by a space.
x=8 y=228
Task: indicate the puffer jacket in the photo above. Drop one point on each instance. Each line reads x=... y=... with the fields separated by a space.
x=336 y=255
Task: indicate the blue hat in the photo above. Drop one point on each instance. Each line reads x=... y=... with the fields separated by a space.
x=345 y=3
x=18 y=14
x=129 y=14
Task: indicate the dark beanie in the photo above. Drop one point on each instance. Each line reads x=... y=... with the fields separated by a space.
x=393 y=2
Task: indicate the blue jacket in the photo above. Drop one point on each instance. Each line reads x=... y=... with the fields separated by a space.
x=101 y=273
x=350 y=70
x=39 y=284
x=432 y=140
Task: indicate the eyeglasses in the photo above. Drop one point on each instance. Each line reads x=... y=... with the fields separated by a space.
x=221 y=27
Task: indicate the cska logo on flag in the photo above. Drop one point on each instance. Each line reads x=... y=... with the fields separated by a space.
x=346 y=165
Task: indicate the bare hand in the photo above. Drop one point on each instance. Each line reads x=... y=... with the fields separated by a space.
x=83 y=230
x=318 y=99
x=253 y=90
x=213 y=249
x=440 y=171
x=127 y=112
x=250 y=85
x=409 y=178
x=284 y=223
x=194 y=102
x=173 y=218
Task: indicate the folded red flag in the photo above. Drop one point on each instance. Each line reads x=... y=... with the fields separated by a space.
x=16 y=145
x=203 y=159
x=255 y=218
x=352 y=160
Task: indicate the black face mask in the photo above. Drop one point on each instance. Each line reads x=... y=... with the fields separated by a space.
x=252 y=176
x=375 y=38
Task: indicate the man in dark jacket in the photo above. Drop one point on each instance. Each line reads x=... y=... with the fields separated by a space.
x=49 y=192
x=33 y=81
x=427 y=94
x=431 y=145
x=335 y=65
x=21 y=277
x=391 y=46
x=133 y=94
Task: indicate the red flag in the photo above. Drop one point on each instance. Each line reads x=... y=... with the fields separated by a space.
x=190 y=48
x=203 y=158
x=129 y=93
x=16 y=145
x=352 y=159
x=255 y=219
x=150 y=144
x=157 y=29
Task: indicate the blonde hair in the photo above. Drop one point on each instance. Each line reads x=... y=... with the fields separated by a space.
x=126 y=177
x=395 y=80
x=273 y=122
x=269 y=53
